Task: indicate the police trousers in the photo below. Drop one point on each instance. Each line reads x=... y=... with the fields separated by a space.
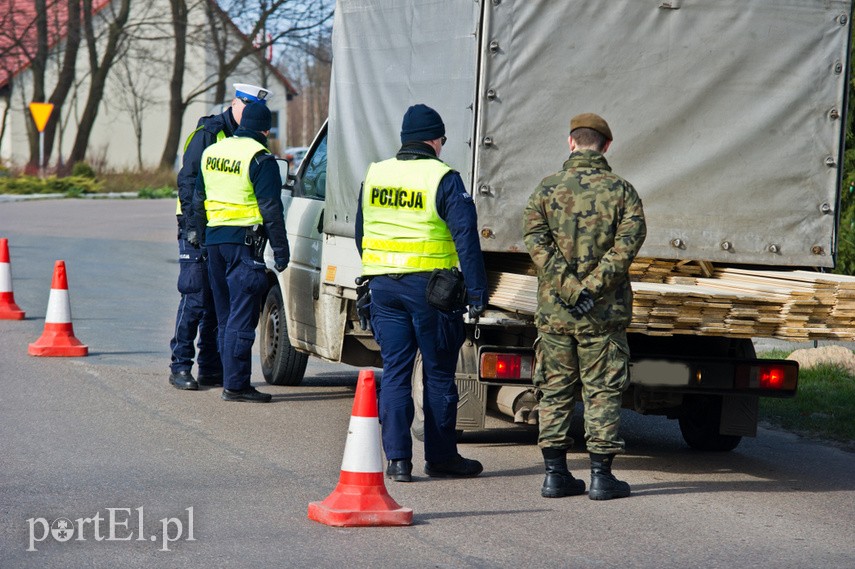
x=599 y=364
x=403 y=324
x=238 y=282
x=196 y=315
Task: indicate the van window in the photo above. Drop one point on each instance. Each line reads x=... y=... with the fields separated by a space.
x=315 y=174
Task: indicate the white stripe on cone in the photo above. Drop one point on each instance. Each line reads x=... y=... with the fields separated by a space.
x=362 y=448
x=59 y=307
x=5 y=277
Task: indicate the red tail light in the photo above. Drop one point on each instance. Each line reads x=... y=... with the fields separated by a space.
x=771 y=377
x=779 y=376
x=499 y=366
x=508 y=366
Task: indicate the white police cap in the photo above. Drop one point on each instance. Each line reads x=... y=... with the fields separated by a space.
x=250 y=93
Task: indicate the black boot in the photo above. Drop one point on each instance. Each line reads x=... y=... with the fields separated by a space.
x=400 y=470
x=604 y=485
x=559 y=482
x=183 y=380
x=457 y=467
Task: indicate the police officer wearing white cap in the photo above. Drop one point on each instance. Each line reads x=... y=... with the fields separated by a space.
x=196 y=313
x=238 y=206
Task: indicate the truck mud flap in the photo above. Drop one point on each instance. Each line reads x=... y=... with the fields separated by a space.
x=739 y=415
x=472 y=407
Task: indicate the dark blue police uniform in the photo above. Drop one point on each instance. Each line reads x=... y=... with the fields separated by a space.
x=196 y=308
x=404 y=323
x=237 y=273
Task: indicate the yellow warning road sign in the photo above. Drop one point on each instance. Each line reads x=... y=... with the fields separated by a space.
x=41 y=113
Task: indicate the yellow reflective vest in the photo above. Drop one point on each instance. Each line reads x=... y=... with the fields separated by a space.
x=402 y=232
x=220 y=135
x=230 y=198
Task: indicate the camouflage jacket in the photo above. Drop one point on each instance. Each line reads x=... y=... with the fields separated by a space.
x=583 y=227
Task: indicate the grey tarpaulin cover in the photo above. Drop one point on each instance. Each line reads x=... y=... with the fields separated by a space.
x=727 y=114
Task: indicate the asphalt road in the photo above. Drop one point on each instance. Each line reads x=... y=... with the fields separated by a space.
x=106 y=435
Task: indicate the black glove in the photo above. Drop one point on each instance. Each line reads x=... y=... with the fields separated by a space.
x=584 y=304
x=475 y=311
x=561 y=302
x=279 y=265
x=193 y=237
x=363 y=303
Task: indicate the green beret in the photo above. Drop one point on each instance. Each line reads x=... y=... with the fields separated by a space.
x=592 y=121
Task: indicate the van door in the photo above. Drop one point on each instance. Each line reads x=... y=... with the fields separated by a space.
x=304 y=221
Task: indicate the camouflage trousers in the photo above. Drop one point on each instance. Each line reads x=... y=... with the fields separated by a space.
x=596 y=364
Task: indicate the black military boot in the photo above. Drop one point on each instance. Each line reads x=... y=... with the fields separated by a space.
x=559 y=482
x=604 y=485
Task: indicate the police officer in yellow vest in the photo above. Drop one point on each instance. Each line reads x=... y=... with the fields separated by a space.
x=196 y=308
x=238 y=207
x=416 y=216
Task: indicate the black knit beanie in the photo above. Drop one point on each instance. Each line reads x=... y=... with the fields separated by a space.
x=421 y=123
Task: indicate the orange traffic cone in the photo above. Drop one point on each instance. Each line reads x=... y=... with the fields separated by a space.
x=8 y=309
x=58 y=338
x=360 y=499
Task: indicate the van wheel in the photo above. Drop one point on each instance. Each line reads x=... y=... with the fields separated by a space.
x=281 y=364
x=700 y=422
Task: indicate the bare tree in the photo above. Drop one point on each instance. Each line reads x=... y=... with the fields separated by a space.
x=17 y=29
x=177 y=103
x=28 y=40
x=68 y=116
x=65 y=76
x=39 y=65
x=99 y=69
x=133 y=98
x=144 y=53
x=46 y=37
x=16 y=26
x=6 y=95
x=310 y=69
x=261 y=24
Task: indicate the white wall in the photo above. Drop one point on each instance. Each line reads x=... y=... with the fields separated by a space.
x=113 y=137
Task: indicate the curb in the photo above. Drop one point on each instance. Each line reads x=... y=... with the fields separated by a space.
x=103 y=196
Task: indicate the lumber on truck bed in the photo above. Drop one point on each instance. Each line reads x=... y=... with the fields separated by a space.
x=679 y=297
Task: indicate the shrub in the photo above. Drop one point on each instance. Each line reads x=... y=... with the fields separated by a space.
x=149 y=184
x=83 y=170
x=72 y=186
x=152 y=194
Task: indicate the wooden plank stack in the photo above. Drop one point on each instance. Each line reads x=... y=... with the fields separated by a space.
x=680 y=297
x=510 y=291
x=664 y=309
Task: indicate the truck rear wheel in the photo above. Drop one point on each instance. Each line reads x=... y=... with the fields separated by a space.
x=281 y=364
x=700 y=422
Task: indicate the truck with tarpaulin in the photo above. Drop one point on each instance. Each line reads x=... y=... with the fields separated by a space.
x=729 y=120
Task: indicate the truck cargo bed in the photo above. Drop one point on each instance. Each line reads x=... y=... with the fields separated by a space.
x=677 y=297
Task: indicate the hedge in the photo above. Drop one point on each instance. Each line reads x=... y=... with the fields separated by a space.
x=70 y=185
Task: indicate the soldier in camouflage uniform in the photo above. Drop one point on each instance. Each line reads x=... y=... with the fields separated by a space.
x=583 y=227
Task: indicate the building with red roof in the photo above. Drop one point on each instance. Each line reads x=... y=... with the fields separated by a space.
x=138 y=83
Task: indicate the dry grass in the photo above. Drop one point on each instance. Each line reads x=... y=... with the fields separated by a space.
x=149 y=181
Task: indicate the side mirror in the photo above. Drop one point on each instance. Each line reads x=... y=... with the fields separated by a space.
x=290 y=182
x=283 y=170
